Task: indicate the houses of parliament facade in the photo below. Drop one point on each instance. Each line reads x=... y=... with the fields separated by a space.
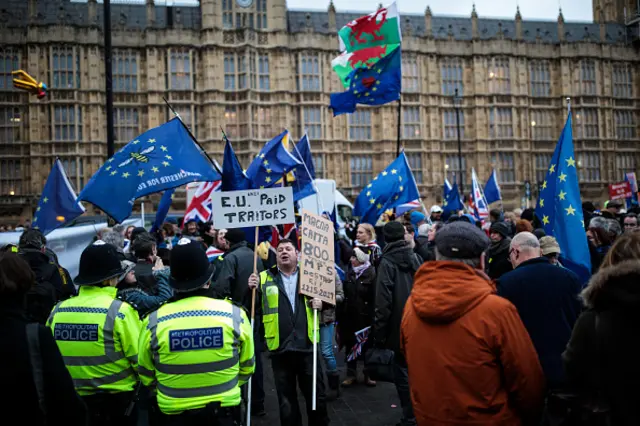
x=255 y=68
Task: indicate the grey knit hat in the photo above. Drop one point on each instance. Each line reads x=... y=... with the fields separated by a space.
x=461 y=240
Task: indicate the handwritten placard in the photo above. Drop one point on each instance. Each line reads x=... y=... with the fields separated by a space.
x=318 y=274
x=242 y=209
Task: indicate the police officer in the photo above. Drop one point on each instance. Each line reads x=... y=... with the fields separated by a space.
x=197 y=351
x=97 y=335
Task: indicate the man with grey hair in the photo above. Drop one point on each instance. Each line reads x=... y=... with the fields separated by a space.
x=496 y=378
x=547 y=300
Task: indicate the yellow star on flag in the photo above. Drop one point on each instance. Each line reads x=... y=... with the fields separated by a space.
x=154 y=169
x=396 y=197
x=541 y=202
x=163 y=148
x=366 y=93
x=265 y=162
x=113 y=173
x=38 y=209
x=379 y=206
x=136 y=142
x=570 y=210
x=168 y=157
x=384 y=173
x=570 y=162
x=267 y=179
x=400 y=178
x=561 y=195
x=165 y=163
x=108 y=168
x=369 y=186
x=45 y=200
x=545 y=220
x=562 y=177
x=372 y=201
x=375 y=178
x=110 y=160
x=368 y=193
x=35 y=219
x=394 y=171
x=262 y=155
x=544 y=185
x=151 y=140
x=401 y=188
x=261 y=186
x=374 y=89
x=552 y=168
x=268 y=170
x=125 y=175
x=140 y=173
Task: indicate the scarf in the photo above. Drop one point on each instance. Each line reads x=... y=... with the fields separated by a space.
x=360 y=269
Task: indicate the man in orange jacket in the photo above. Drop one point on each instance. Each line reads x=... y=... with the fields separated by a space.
x=470 y=358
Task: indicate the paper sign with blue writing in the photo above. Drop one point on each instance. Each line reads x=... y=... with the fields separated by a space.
x=196 y=339
x=257 y=207
x=317 y=269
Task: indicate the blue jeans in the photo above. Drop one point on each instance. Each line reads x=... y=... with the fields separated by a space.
x=326 y=345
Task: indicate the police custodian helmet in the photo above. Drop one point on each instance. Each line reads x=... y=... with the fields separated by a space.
x=190 y=267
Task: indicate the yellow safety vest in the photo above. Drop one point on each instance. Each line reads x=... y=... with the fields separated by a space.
x=270 y=319
x=97 y=335
x=196 y=350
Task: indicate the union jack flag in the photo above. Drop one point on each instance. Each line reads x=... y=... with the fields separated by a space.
x=361 y=337
x=480 y=205
x=200 y=207
x=411 y=205
x=213 y=253
x=280 y=232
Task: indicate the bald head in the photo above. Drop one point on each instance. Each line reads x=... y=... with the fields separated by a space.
x=524 y=246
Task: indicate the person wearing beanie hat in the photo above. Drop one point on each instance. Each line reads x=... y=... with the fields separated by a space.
x=547 y=299
x=497 y=255
x=80 y=327
x=453 y=306
x=185 y=346
x=394 y=283
x=130 y=292
x=417 y=219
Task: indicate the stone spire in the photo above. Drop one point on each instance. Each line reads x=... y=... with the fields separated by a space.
x=474 y=23
x=332 y=16
x=518 y=24
x=427 y=23
x=474 y=14
x=560 y=26
x=151 y=14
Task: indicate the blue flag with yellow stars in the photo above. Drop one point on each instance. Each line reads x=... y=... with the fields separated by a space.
x=163 y=209
x=233 y=177
x=375 y=85
x=395 y=185
x=273 y=161
x=560 y=208
x=57 y=204
x=305 y=173
x=159 y=159
x=451 y=202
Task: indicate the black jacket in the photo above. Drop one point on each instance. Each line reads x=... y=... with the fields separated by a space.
x=393 y=286
x=608 y=362
x=358 y=308
x=20 y=400
x=233 y=278
x=497 y=259
x=425 y=248
x=546 y=297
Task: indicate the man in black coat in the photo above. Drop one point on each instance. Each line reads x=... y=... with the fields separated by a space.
x=397 y=267
x=546 y=297
x=497 y=255
x=232 y=281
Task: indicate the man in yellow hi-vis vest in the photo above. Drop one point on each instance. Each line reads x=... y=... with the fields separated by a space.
x=196 y=350
x=97 y=335
x=287 y=317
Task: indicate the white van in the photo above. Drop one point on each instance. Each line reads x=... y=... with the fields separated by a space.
x=327 y=197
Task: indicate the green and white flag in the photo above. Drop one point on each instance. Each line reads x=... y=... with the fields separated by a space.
x=376 y=29
x=344 y=64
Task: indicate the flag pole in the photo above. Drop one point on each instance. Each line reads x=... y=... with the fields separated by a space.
x=313 y=181
x=215 y=166
x=253 y=316
x=399 y=124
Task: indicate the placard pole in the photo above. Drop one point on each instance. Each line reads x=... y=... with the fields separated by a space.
x=253 y=315
x=315 y=360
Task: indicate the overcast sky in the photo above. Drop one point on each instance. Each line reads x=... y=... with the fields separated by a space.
x=573 y=10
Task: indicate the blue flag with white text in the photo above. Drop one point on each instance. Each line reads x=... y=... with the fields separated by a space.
x=492 y=189
x=159 y=159
x=395 y=185
x=57 y=204
x=560 y=208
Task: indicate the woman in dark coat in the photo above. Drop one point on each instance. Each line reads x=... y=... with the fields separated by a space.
x=58 y=403
x=602 y=355
x=359 y=291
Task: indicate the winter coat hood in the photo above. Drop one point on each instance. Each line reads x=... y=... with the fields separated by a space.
x=614 y=287
x=400 y=254
x=444 y=291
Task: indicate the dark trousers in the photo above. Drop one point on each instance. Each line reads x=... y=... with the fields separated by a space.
x=289 y=367
x=402 y=387
x=211 y=415
x=106 y=409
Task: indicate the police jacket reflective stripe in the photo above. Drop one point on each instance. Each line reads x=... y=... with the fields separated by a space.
x=97 y=335
x=271 y=313
x=196 y=350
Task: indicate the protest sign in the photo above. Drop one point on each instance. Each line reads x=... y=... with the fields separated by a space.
x=318 y=274
x=620 y=190
x=242 y=209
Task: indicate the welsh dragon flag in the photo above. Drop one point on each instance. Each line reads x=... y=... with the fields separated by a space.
x=366 y=40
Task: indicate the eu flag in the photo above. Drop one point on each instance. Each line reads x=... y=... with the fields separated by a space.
x=273 y=161
x=395 y=185
x=451 y=202
x=375 y=85
x=305 y=173
x=57 y=204
x=159 y=159
x=163 y=209
x=492 y=189
x=560 y=208
x=233 y=177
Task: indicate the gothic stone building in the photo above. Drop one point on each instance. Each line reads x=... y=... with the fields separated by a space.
x=255 y=68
